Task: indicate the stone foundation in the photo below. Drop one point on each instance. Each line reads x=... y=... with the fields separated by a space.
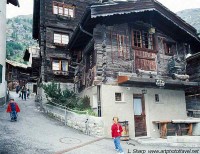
x=2 y=101
x=90 y=125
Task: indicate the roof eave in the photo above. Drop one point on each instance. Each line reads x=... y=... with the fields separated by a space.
x=13 y=2
x=77 y=31
x=36 y=16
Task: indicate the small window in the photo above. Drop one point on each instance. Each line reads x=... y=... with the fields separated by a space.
x=137 y=106
x=56 y=65
x=137 y=38
x=63 y=9
x=118 y=96
x=142 y=39
x=55 y=9
x=61 y=38
x=60 y=65
x=157 y=99
x=169 y=48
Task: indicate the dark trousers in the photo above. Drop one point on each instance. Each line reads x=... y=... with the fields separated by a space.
x=23 y=95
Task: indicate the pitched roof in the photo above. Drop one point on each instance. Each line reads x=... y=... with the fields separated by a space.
x=17 y=64
x=148 y=10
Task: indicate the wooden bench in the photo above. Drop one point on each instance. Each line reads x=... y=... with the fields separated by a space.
x=162 y=125
x=190 y=123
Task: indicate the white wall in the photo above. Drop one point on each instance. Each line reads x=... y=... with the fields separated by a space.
x=3 y=45
x=173 y=107
x=92 y=93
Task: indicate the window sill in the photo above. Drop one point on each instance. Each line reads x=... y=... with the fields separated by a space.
x=144 y=49
x=65 y=73
x=60 y=45
x=168 y=54
x=120 y=102
x=64 y=17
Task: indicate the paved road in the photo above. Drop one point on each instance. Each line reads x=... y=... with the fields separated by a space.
x=36 y=133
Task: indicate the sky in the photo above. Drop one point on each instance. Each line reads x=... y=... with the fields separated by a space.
x=26 y=6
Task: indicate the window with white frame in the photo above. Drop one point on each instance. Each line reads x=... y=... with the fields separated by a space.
x=63 y=9
x=61 y=38
x=118 y=97
x=60 y=65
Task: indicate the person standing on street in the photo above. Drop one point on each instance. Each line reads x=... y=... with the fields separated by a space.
x=116 y=134
x=24 y=93
x=13 y=109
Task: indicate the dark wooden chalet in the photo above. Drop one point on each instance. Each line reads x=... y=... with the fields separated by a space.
x=193 y=95
x=24 y=73
x=53 y=24
x=141 y=37
x=17 y=72
x=131 y=56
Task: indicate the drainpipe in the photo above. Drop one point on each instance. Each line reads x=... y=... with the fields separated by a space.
x=99 y=99
x=84 y=31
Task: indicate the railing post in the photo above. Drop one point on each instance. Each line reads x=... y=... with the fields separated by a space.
x=65 y=116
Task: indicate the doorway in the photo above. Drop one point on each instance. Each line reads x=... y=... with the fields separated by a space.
x=139 y=115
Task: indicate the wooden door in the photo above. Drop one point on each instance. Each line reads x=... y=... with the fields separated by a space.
x=35 y=89
x=139 y=115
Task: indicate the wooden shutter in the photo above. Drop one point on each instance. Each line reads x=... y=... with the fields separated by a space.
x=145 y=60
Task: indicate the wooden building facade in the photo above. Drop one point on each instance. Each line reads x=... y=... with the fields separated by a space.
x=193 y=95
x=17 y=73
x=53 y=24
x=135 y=50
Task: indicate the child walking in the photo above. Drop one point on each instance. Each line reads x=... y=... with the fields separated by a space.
x=116 y=134
x=13 y=109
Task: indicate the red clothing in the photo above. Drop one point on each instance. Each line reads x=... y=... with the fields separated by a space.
x=116 y=130
x=16 y=107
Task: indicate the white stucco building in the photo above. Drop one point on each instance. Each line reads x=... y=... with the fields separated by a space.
x=3 y=46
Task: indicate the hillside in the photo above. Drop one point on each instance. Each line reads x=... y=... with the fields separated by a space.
x=19 y=37
x=191 y=16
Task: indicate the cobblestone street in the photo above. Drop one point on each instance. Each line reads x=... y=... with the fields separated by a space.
x=36 y=133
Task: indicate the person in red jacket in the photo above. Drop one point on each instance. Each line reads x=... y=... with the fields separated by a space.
x=13 y=109
x=116 y=134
